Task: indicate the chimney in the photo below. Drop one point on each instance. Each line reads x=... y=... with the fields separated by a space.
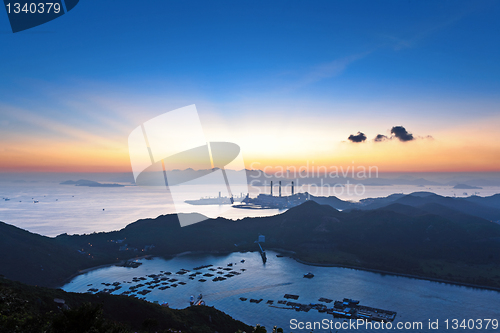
x=271 y=188
x=280 y=188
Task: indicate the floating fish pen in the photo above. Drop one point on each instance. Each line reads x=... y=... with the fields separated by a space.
x=218 y=278
x=256 y=300
x=347 y=308
x=326 y=300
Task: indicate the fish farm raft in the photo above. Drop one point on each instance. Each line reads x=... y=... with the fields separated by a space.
x=347 y=308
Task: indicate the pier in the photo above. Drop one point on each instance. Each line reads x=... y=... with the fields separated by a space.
x=262 y=253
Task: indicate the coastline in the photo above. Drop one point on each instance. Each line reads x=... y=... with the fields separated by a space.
x=90 y=269
x=411 y=276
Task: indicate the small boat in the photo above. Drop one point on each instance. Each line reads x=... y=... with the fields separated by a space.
x=309 y=275
x=242 y=260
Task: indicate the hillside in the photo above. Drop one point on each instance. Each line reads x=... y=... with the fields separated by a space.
x=38 y=260
x=26 y=308
x=483 y=207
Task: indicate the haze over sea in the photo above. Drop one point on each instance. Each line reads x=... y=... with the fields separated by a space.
x=78 y=209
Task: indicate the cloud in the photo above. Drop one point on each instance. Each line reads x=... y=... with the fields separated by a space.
x=397 y=132
x=402 y=134
x=380 y=138
x=360 y=137
x=328 y=70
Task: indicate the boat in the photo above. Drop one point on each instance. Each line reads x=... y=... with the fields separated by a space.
x=309 y=275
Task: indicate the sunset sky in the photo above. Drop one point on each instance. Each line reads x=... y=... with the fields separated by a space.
x=289 y=81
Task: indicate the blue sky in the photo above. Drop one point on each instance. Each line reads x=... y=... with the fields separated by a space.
x=386 y=62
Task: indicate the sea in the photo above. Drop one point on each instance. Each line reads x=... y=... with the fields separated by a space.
x=49 y=208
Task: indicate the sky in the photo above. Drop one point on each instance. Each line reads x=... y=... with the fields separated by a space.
x=288 y=81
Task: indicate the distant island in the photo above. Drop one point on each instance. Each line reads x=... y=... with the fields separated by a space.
x=466 y=187
x=89 y=183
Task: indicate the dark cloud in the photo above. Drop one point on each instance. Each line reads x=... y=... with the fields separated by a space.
x=380 y=138
x=360 y=137
x=402 y=134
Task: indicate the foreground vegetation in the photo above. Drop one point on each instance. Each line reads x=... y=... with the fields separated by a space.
x=26 y=308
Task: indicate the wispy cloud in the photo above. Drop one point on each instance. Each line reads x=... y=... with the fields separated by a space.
x=400 y=43
x=326 y=70
x=331 y=69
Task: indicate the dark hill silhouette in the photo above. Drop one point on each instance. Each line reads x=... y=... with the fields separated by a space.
x=428 y=240
x=458 y=204
x=483 y=207
x=404 y=209
x=334 y=202
x=452 y=214
x=36 y=259
x=491 y=201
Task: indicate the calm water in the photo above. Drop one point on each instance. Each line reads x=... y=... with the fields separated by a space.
x=77 y=209
x=414 y=300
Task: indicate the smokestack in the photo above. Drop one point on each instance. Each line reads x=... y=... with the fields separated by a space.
x=292 y=188
x=280 y=188
x=271 y=188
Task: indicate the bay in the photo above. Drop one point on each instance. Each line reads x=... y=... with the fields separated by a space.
x=414 y=300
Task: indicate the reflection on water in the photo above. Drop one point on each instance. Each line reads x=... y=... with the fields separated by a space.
x=412 y=299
